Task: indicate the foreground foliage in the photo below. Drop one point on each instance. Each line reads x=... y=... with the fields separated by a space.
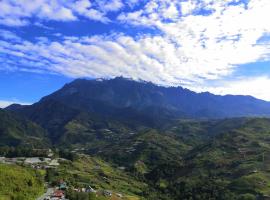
x=20 y=183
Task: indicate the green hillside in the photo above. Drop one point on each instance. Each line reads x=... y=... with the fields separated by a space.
x=232 y=165
x=15 y=131
x=86 y=171
x=19 y=183
x=188 y=159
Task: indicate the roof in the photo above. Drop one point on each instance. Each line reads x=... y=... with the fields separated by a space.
x=58 y=193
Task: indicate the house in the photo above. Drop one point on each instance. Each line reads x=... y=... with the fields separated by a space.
x=58 y=194
x=62 y=185
x=119 y=195
x=34 y=160
x=107 y=193
x=50 y=153
x=90 y=189
x=54 y=163
x=2 y=159
x=122 y=168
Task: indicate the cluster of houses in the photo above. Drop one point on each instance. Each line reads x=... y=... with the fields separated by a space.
x=34 y=162
x=87 y=189
x=57 y=195
x=59 y=192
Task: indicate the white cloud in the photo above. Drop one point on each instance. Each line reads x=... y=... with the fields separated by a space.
x=254 y=86
x=84 y=8
x=8 y=35
x=214 y=43
x=4 y=103
x=191 y=49
x=113 y=5
x=19 y=12
x=24 y=12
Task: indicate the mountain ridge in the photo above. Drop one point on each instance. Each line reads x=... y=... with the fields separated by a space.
x=112 y=95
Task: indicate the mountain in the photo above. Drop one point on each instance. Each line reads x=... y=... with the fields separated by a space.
x=129 y=104
x=122 y=98
x=171 y=139
x=15 y=131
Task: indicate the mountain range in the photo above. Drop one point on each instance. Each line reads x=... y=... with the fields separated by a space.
x=131 y=104
x=120 y=98
x=182 y=144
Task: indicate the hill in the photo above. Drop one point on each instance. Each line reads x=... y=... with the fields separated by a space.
x=20 y=183
x=15 y=131
x=232 y=165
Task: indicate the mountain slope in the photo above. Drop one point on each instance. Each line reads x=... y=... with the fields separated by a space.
x=233 y=165
x=135 y=104
x=16 y=131
x=128 y=105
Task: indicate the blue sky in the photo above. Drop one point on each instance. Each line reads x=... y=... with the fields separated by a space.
x=205 y=45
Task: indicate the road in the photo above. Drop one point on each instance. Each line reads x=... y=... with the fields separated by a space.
x=48 y=193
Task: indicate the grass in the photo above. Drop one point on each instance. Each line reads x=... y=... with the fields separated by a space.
x=20 y=183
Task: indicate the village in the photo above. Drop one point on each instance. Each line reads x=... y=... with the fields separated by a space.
x=34 y=162
x=58 y=191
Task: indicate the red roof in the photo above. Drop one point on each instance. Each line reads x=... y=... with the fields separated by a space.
x=58 y=193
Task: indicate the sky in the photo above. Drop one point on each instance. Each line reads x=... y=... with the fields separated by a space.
x=220 y=46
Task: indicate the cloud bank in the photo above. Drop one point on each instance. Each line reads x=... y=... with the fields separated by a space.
x=4 y=104
x=195 y=41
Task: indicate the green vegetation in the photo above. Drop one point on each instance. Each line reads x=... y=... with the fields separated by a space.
x=20 y=183
x=233 y=164
x=15 y=131
x=88 y=171
x=182 y=159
